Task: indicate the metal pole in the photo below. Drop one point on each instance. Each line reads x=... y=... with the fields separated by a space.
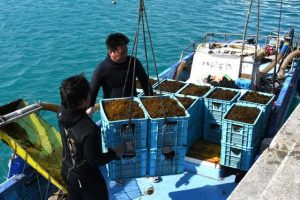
x=244 y=36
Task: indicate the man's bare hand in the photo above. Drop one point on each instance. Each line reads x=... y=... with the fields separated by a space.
x=90 y=111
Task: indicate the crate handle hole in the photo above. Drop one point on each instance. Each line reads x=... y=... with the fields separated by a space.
x=214 y=126
x=216 y=106
x=169 y=155
x=236 y=128
x=235 y=151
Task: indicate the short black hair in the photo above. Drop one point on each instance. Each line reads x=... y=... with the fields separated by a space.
x=116 y=39
x=74 y=90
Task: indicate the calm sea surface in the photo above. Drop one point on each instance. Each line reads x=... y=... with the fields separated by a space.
x=43 y=42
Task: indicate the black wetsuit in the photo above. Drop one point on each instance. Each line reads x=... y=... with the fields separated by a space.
x=85 y=181
x=111 y=76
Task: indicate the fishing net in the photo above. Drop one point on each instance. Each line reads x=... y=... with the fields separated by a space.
x=35 y=141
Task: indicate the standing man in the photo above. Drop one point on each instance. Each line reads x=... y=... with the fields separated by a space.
x=82 y=150
x=111 y=73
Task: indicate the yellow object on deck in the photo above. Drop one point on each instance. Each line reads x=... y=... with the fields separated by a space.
x=35 y=141
x=206 y=151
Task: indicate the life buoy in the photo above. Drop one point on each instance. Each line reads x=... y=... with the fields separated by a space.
x=182 y=66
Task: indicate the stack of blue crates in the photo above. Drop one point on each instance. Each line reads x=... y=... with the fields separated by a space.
x=240 y=140
x=266 y=108
x=195 y=119
x=195 y=129
x=214 y=111
x=168 y=134
x=120 y=132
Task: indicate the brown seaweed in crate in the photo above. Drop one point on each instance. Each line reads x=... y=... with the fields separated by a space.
x=185 y=101
x=120 y=109
x=243 y=114
x=156 y=107
x=170 y=86
x=195 y=90
x=256 y=97
x=219 y=93
x=152 y=82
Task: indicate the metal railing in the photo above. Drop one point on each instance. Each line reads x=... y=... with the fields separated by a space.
x=225 y=37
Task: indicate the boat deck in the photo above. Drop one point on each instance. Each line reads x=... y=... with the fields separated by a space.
x=202 y=158
x=182 y=186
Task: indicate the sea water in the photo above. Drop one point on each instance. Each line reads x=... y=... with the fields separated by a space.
x=43 y=42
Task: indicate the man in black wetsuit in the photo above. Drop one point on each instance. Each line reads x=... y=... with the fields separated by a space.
x=111 y=73
x=82 y=147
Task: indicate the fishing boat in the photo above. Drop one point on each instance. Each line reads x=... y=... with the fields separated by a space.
x=267 y=64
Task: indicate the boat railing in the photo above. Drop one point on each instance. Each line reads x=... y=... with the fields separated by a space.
x=213 y=37
x=234 y=37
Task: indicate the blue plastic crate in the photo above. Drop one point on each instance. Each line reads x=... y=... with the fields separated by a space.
x=159 y=165
x=192 y=134
x=266 y=108
x=239 y=133
x=214 y=109
x=153 y=85
x=200 y=99
x=127 y=168
x=171 y=131
x=243 y=83
x=140 y=91
x=170 y=80
x=195 y=121
x=201 y=109
x=118 y=132
x=237 y=157
x=188 y=84
x=212 y=131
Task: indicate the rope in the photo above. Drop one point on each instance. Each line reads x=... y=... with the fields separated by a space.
x=132 y=52
x=39 y=186
x=142 y=17
x=155 y=66
x=146 y=53
x=156 y=71
x=46 y=194
x=23 y=170
x=134 y=64
x=133 y=55
x=277 y=48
